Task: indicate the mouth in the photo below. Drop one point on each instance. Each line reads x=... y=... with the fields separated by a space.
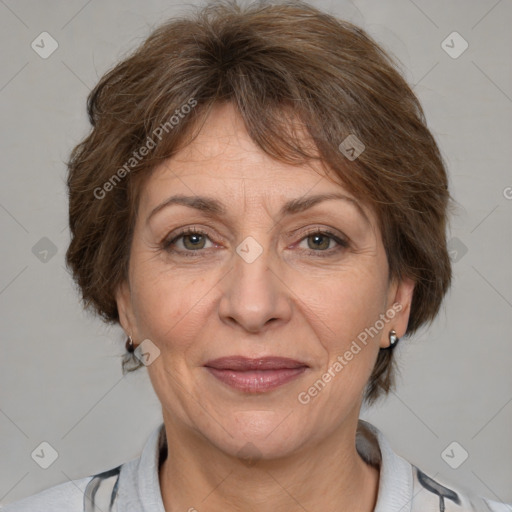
x=255 y=375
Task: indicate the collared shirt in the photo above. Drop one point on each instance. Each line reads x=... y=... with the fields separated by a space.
x=134 y=486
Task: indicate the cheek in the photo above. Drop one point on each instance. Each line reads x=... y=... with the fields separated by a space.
x=345 y=306
x=344 y=320
x=168 y=305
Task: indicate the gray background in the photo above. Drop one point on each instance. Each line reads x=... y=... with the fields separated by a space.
x=60 y=375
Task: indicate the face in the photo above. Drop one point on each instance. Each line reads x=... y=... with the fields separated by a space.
x=253 y=272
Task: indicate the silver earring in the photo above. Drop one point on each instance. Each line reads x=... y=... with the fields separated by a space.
x=393 y=338
x=129 y=344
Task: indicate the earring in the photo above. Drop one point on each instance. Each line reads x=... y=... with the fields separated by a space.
x=393 y=340
x=129 y=344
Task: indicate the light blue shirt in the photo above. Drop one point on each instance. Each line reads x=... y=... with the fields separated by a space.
x=134 y=486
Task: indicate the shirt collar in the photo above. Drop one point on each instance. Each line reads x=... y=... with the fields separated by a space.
x=396 y=478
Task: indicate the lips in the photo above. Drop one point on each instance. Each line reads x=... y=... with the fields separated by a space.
x=255 y=375
x=240 y=364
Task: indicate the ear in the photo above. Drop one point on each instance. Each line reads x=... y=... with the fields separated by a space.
x=124 y=308
x=399 y=300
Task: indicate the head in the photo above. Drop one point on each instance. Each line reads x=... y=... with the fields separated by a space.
x=259 y=109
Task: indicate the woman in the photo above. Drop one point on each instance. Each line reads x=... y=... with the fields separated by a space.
x=262 y=208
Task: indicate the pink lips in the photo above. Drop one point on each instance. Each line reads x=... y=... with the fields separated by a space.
x=255 y=375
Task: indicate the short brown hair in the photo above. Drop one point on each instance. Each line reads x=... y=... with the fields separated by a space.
x=270 y=60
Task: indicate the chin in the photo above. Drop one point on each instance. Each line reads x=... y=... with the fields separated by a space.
x=256 y=435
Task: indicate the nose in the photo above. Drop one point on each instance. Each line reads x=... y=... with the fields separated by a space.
x=254 y=297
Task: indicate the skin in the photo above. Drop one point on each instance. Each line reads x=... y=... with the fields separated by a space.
x=290 y=301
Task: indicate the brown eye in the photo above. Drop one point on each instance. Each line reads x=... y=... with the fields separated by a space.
x=187 y=242
x=323 y=243
x=319 y=241
x=193 y=241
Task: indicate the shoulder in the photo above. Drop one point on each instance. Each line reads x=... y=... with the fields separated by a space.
x=66 y=497
x=95 y=492
x=429 y=492
x=405 y=487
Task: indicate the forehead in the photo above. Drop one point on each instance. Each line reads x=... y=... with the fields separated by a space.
x=223 y=148
x=224 y=162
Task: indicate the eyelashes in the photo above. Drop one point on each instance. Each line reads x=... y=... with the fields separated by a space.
x=194 y=238
x=170 y=244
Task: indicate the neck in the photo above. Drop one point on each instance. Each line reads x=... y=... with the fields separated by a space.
x=330 y=475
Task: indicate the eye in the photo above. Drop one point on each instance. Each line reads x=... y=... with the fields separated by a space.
x=188 y=240
x=192 y=240
x=319 y=241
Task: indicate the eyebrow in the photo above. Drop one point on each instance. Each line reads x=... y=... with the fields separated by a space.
x=214 y=207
